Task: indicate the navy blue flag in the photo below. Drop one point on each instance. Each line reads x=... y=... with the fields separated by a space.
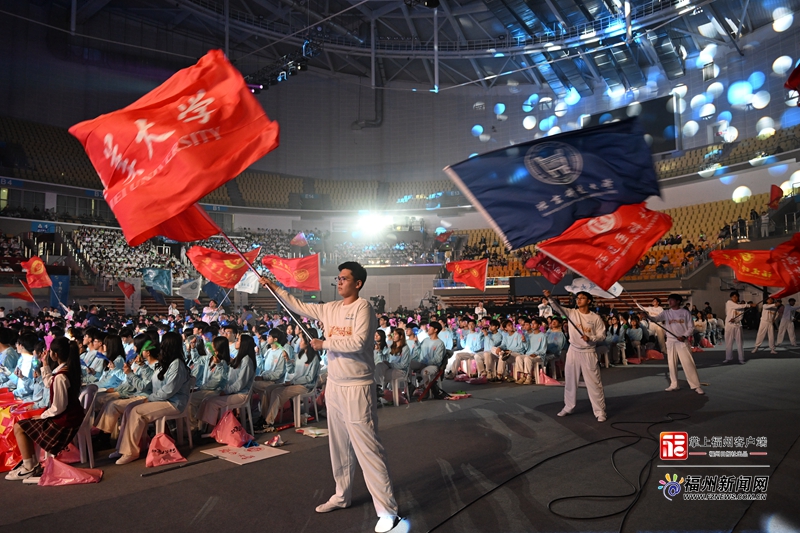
x=60 y=291
x=536 y=190
x=157 y=296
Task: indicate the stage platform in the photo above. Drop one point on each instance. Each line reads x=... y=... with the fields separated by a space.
x=444 y=455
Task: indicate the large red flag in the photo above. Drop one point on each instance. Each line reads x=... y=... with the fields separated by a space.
x=161 y=154
x=785 y=262
x=472 y=273
x=223 y=269
x=37 y=274
x=775 y=195
x=749 y=266
x=603 y=249
x=553 y=271
x=300 y=273
x=793 y=83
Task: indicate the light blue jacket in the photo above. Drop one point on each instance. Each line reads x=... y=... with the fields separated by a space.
x=381 y=356
x=537 y=344
x=474 y=342
x=174 y=388
x=274 y=368
x=215 y=379
x=514 y=343
x=432 y=352
x=138 y=383
x=240 y=380
x=492 y=340
x=114 y=377
x=306 y=373
x=556 y=340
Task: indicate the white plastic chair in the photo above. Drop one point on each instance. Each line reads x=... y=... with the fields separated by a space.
x=396 y=384
x=245 y=412
x=84 y=436
x=312 y=395
x=182 y=418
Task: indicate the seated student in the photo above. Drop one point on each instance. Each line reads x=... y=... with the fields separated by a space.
x=25 y=367
x=556 y=340
x=511 y=347
x=381 y=349
x=112 y=376
x=535 y=353
x=213 y=379
x=431 y=354
x=241 y=374
x=59 y=424
x=273 y=368
x=302 y=381
x=396 y=364
x=169 y=397
x=31 y=389
x=635 y=334
x=93 y=365
x=485 y=361
x=8 y=354
x=195 y=350
x=700 y=328
x=615 y=338
x=473 y=343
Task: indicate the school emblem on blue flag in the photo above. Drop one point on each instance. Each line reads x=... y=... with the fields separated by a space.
x=536 y=190
x=158 y=278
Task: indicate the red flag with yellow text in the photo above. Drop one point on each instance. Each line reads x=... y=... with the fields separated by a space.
x=603 y=249
x=160 y=155
x=218 y=267
x=749 y=266
x=785 y=262
x=37 y=274
x=472 y=273
x=300 y=273
x=775 y=196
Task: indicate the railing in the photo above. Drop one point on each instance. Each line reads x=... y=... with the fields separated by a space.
x=450 y=284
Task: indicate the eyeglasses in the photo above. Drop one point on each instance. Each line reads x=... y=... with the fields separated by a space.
x=340 y=278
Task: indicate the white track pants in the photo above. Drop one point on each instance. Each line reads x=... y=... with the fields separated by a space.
x=583 y=362
x=679 y=350
x=786 y=326
x=733 y=333
x=353 y=429
x=765 y=329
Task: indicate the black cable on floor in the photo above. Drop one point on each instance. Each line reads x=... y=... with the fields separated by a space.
x=636 y=487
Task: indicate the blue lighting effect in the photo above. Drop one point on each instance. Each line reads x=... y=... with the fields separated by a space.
x=547 y=123
x=499 y=109
x=530 y=103
x=573 y=97
x=791 y=117
x=778 y=170
x=727 y=180
x=499 y=54
x=473 y=154
x=519 y=174
x=477 y=130
x=740 y=93
x=605 y=117
x=756 y=79
x=440 y=230
x=726 y=116
x=669 y=132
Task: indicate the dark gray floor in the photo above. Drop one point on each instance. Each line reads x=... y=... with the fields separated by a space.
x=443 y=455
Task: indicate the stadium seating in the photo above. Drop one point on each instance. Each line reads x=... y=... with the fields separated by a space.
x=347 y=195
x=264 y=189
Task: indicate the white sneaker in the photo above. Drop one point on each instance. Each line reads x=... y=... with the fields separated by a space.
x=386 y=524
x=125 y=459
x=601 y=418
x=20 y=474
x=564 y=412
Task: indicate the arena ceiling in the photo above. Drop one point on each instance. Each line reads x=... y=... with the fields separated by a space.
x=572 y=46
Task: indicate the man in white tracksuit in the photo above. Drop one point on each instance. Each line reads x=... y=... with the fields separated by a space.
x=733 y=327
x=679 y=325
x=350 y=395
x=766 y=326
x=581 y=355
x=656 y=331
x=787 y=323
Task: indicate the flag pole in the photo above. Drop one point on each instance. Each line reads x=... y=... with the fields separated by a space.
x=274 y=294
x=30 y=294
x=648 y=314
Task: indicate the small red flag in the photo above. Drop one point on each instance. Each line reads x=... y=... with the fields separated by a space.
x=37 y=273
x=299 y=240
x=775 y=196
x=785 y=262
x=444 y=236
x=223 y=269
x=127 y=289
x=553 y=271
x=749 y=266
x=300 y=273
x=603 y=249
x=27 y=295
x=158 y=156
x=472 y=273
